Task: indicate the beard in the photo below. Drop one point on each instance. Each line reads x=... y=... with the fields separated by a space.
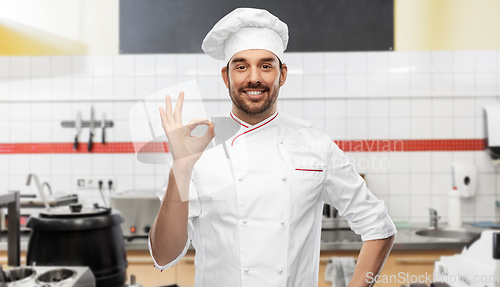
x=253 y=107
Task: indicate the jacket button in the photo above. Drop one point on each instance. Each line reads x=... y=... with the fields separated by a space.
x=283 y=178
x=247 y=269
x=245 y=221
x=281 y=141
x=240 y=179
x=280 y=270
x=282 y=222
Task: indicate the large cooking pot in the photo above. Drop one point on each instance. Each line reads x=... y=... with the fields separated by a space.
x=77 y=236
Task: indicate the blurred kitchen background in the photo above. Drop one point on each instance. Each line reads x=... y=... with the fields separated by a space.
x=427 y=92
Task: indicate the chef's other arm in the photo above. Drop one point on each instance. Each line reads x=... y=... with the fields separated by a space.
x=168 y=233
x=371 y=259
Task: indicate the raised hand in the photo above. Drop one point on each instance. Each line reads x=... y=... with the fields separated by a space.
x=186 y=149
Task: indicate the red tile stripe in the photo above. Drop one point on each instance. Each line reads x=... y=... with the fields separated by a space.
x=345 y=145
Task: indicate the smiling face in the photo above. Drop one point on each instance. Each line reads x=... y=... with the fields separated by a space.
x=254 y=78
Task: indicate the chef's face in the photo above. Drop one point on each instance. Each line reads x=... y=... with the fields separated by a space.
x=254 y=78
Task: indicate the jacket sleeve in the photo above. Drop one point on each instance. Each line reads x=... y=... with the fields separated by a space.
x=194 y=211
x=346 y=190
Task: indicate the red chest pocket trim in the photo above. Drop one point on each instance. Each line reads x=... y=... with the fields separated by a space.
x=304 y=169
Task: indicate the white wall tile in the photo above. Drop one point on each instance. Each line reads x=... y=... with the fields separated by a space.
x=481 y=102
x=420 y=184
x=464 y=128
x=294 y=108
x=399 y=128
x=20 y=132
x=144 y=86
x=356 y=129
x=463 y=61
x=485 y=206
x=399 y=108
x=440 y=204
x=40 y=67
x=20 y=88
x=464 y=156
x=399 y=83
x=102 y=65
x=468 y=208
x=163 y=82
x=486 y=82
x=441 y=162
x=4 y=66
x=83 y=87
x=20 y=111
x=335 y=108
x=122 y=131
x=485 y=61
x=40 y=164
x=40 y=87
x=144 y=65
x=314 y=85
x=442 y=83
x=356 y=108
x=294 y=62
x=166 y=65
x=421 y=62
x=4 y=184
x=463 y=107
x=123 y=164
x=146 y=182
x=187 y=64
x=378 y=84
x=421 y=107
x=102 y=164
x=207 y=66
x=63 y=111
x=314 y=63
x=335 y=63
x=316 y=123
x=61 y=184
x=5 y=164
x=356 y=84
x=442 y=107
x=5 y=132
x=41 y=131
x=314 y=109
x=463 y=83
x=336 y=128
x=208 y=86
x=5 y=111
x=378 y=108
x=379 y=163
x=61 y=164
x=143 y=168
x=20 y=164
x=441 y=183
x=378 y=62
x=356 y=62
x=421 y=84
x=378 y=128
x=442 y=61
x=400 y=162
x=419 y=206
x=421 y=128
x=420 y=162
x=399 y=207
x=81 y=66
x=335 y=84
x=61 y=88
x=123 y=87
x=102 y=88
x=61 y=66
x=399 y=62
x=486 y=184
x=81 y=164
x=4 y=88
x=378 y=183
x=225 y=106
x=123 y=65
x=20 y=67
x=294 y=86
x=483 y=162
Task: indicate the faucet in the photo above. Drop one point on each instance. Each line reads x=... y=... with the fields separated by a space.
x=40 y=189
x=433 y=218
x=48 y=186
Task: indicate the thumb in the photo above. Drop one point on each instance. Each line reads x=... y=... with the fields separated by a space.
x=209 y=135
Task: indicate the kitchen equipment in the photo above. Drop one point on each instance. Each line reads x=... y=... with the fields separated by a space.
x=477 y=266
x=464 y=178
x=78 y=128
x=492 y=131
x=49 y=276
x=454 y=208
x=80 y=236
x=139 y=209
x=91 y=128
x=103 y=127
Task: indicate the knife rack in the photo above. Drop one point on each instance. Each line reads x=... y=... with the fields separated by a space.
x=86 y=124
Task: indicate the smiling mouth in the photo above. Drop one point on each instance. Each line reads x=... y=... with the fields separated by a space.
x=254 y=93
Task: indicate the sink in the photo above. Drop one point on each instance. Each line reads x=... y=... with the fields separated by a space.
x=332 y=236
x=457 y=234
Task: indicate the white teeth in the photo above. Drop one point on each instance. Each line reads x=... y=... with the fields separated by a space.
x=254 y=93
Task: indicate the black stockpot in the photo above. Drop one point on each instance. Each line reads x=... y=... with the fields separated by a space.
x=90 y=237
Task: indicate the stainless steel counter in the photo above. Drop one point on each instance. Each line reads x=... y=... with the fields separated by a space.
x=406 y=239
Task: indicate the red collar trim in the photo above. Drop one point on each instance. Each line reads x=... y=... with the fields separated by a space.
x=253 y=128
x=231 y=114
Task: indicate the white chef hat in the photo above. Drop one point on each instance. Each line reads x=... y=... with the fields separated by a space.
x=245 y=29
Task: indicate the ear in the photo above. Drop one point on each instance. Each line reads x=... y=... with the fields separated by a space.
x=284 y=73
x=225 y=77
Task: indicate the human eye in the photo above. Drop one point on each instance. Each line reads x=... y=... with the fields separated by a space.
x=266 y=66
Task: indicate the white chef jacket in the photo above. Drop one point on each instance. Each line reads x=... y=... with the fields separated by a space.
x=256 y=205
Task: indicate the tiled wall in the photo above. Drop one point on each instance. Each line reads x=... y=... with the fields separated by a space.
x=353 y=96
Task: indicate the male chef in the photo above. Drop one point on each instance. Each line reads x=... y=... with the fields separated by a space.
x=256 y=198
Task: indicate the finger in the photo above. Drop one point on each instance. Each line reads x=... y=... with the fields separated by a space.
x=196 y=122
x=163 y=117
x=209 y=135
x=178 y=108
x=168 y=104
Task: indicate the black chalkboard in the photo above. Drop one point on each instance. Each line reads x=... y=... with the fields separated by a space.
x=179 y=26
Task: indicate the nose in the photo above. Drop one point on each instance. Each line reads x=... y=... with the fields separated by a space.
x=254 y=76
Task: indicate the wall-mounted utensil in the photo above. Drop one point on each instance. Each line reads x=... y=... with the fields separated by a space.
x=78 y=128
x=103 y=127
x=92 y=128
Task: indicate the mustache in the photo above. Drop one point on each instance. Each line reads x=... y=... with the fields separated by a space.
x=255 y=87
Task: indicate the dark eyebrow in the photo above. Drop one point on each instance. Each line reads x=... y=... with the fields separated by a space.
x=268 y=60
x=238 y=60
